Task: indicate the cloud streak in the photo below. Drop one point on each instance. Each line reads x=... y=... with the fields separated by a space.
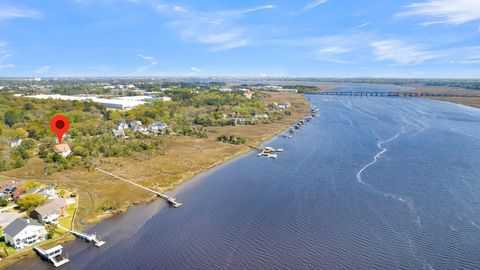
x=43 y=70
x=8 y=11
x=151 y=62
x=454 y=12
x=217 y=28
x=313 y=4
x=401 y=52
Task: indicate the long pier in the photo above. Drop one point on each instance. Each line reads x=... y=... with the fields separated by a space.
x=89 y=238
x=388 y=94
x=172 y=201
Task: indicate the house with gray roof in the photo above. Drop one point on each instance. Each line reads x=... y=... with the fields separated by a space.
x=24 y=232
x=50 y=211
x=47 y=191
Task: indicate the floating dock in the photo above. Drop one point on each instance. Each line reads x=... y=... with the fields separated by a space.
x=53 y=255
x=270 y=152
x=89 y=238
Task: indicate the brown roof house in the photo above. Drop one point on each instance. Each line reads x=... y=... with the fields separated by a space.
x=50 y=211
x=63 y=149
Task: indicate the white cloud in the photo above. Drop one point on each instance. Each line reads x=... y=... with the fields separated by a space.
x=247 y=10
x=8 y=11
x=401 y=52
x=195 y=70
x=217 y=28
x=5 y=66
x=444 y=11
x=151 y=62
x=361 y=25
x=43 y=70
x=4 y=56
x=314 y=4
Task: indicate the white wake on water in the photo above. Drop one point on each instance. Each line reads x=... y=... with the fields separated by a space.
x=381 y=146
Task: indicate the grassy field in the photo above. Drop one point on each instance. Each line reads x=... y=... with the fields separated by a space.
x=470 y=101
x=184 y=157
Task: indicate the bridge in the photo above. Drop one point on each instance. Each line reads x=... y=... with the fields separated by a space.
x=388 y=94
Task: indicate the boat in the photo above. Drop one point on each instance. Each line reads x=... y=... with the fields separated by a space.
x=269 y=150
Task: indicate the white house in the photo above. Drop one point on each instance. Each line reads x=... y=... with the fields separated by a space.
x=16 y=142
x=157 y=127
x=63 y=149
x=24 y=232
x=47 y=191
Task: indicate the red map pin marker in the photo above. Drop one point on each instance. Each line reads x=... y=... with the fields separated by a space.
x=59 y=125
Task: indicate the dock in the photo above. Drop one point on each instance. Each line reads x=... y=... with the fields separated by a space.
x=89 y=238
x=53 y=255
x=171 y=201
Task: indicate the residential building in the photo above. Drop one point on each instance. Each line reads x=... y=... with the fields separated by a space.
x=16 y=142
x=157 y=127
x=118 y=133
x=262 y=116
x=137 y=126
x=24 y=232
x=284 y=105
x=122 y=126
x=238 y=121
x=63 y=149
x=47 y=191
x=50 y=211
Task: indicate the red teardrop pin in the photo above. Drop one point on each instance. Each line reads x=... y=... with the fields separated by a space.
x=59 y=125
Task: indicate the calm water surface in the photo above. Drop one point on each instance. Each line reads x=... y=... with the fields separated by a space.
x=373 y=183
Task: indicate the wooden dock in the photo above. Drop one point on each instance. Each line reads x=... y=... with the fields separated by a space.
x=53 y=255
x=89 y=238
x=172 y=201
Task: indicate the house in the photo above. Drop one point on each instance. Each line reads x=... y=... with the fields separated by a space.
x=8 y=217
x=164 y=99
x=118 y=133
x=47 y=191
x=50 y=211
x=16 y=142
x=263 y=116
x=122 y=126
x=157 y=127
x=136 y=126
x=248 y=94
x=238 y=121
x=63 y=149
x=284 y=105
x=24 y=232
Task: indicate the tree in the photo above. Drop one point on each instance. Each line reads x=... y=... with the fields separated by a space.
x=27 y=106
x=30 y=184
x=51 y=228
x=11 y=118
x=3 y=202
x=30 y=201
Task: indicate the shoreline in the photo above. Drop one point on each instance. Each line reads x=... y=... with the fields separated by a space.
x=183 y=178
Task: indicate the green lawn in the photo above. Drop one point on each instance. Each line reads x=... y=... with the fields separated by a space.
x=66 y=221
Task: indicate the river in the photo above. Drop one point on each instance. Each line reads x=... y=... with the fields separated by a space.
x=373 y=183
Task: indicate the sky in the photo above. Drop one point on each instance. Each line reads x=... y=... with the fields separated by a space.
x=315 y=38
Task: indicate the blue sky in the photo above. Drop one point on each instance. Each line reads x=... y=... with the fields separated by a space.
x=322 y=38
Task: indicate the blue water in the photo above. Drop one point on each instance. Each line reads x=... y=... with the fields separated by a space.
x=373 y=183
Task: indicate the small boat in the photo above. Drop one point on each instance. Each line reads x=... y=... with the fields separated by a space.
x=279 y=150
x=269 y=150
x=272 y=156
